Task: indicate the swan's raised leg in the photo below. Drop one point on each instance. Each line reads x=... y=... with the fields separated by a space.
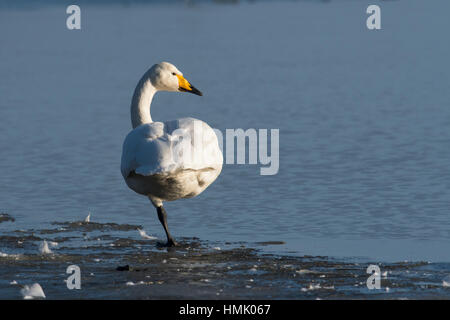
x=162 y=215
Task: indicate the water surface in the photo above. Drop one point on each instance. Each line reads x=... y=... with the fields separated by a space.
x=363 y=118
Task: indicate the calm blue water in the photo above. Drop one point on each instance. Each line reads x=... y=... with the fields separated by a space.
x=363 y=116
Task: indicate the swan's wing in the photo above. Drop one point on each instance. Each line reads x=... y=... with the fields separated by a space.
x=140 y=147
x=173 y=145
x=201 y=148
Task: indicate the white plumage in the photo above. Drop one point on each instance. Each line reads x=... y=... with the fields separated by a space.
x=168 y=160
x=164 y=160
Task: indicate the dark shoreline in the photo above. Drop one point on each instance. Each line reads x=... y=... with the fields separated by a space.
x=115 y=265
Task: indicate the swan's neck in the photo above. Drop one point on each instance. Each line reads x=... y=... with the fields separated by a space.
x=142 y=99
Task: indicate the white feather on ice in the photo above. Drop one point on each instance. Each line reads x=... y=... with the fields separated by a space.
x=144 y=235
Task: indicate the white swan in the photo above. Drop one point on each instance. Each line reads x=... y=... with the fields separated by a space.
x=169 y=160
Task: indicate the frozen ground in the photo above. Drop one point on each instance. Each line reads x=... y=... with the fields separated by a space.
x=117 y=263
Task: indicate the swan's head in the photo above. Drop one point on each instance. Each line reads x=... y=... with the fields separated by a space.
x=166 y=77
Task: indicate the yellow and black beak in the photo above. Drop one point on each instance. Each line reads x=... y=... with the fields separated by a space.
x=184 y=85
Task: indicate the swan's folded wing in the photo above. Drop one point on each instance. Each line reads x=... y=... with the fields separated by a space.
x=201 y=150
x=165 y=147
x=141 y=148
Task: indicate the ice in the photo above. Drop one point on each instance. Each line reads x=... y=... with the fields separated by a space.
x=304 y=271
x=44 y=249
x=446 y=281
x=317 y=286
x=131 y=283
x=32 y=292
x=7 y=255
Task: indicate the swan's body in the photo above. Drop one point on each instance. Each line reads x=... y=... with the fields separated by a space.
x=168 y=160
x=150 y=165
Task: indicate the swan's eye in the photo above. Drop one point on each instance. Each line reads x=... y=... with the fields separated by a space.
x=174 y=74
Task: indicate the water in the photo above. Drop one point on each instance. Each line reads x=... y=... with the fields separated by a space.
x=363 y=118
